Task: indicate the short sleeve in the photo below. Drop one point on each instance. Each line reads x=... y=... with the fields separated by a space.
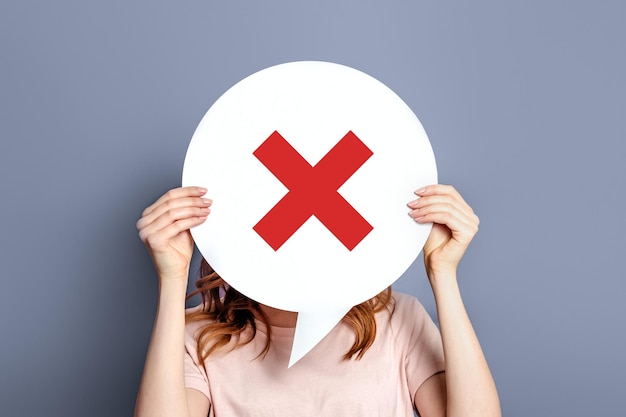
x=421 y=342
x=195 y=376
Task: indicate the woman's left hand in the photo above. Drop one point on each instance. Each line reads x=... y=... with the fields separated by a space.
x=454 y=226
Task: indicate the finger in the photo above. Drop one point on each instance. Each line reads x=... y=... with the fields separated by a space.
x=444 y=206
x=441 y=190
x=175 y=214
x=450 y=212
x=172 y=204
x=460 y=229
x=172 y=216
x=438 y=189
x=442 y=200
x=175 y=193
x=163 y=236
x=435 y=199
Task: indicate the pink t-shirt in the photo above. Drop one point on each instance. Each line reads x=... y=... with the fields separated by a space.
x=406 y=352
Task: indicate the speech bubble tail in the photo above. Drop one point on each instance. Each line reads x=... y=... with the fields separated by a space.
x=311 y=328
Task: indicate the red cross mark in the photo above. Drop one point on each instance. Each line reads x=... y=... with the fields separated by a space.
x=313 y=190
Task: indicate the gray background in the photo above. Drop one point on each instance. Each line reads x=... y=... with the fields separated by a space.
x=524 y=103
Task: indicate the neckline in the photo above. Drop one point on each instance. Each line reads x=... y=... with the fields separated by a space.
x=276 y=331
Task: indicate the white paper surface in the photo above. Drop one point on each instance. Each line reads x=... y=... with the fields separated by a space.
x=312 y=105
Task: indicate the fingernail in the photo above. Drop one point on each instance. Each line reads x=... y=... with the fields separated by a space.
x=207 y=201
x=202 y=190
x=421 y=190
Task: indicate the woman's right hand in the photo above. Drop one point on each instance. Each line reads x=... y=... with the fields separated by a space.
x=164 y=229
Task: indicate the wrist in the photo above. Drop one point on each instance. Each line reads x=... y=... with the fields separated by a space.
x=172 y=273
x=441 y=277
x=439 y=270
x=172 y=297
x=173 y=283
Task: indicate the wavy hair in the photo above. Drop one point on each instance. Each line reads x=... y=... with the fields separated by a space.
x=228 y=313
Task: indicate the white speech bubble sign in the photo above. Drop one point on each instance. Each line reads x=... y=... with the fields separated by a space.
x=312 y=105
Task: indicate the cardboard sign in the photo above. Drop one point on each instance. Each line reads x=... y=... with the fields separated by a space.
x=310 y=166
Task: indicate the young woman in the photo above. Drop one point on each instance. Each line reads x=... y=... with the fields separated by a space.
x=384 y=359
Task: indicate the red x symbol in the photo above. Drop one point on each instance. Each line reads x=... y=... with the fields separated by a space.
x=313 y=190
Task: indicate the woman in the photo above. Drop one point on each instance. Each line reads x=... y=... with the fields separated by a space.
x=175 y=380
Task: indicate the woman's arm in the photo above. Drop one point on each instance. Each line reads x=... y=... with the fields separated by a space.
x=164 y=229
x=466 y=388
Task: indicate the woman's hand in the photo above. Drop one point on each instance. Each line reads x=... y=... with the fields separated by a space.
x=454 y=226
x=164 y=229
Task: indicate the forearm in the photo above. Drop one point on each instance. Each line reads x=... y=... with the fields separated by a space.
x=162 y=389
x=471 y=390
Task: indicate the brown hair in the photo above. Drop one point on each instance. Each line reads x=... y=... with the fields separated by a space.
x=229 y=313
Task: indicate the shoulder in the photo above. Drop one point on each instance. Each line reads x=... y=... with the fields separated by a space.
x=409 y=318
x=194 y=317
x=407 y=305
x=203 y=331
x=194 y=327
